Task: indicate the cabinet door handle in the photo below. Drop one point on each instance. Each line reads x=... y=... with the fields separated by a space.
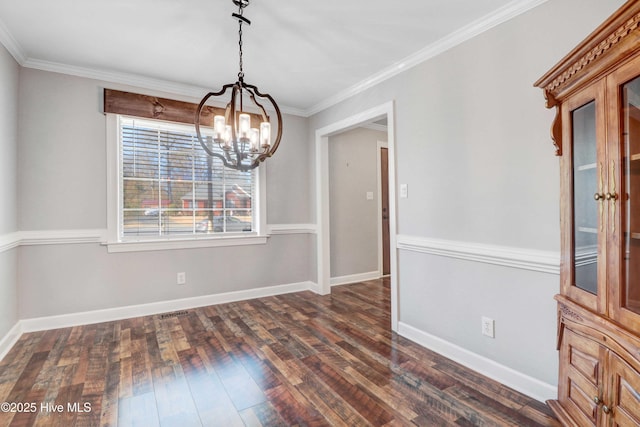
x=599 y=196
x=599 y=402
x=612 y=195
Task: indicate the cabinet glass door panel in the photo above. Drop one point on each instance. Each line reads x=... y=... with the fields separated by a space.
x=629 y=196
x=586 y=187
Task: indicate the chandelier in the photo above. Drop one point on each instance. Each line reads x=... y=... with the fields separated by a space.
x=242 y=145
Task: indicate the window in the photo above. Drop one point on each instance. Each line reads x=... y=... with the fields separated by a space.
x=168 y=188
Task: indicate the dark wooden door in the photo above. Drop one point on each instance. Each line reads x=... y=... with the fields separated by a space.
x=384 y=185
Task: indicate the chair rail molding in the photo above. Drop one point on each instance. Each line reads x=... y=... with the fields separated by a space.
x=14 y=239
x=273 y=229
x=61 y=237
x=526 y=259
x=9 y=241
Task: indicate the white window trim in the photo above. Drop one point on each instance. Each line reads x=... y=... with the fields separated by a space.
x=115 y=244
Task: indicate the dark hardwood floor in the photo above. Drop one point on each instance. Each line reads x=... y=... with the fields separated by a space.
x=296 y=359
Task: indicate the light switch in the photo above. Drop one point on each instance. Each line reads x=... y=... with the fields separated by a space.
x=404 y=191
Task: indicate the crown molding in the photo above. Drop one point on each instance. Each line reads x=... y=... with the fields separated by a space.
x=477 y=27
x=129 y=79
x=11 y=44
x=465 y=33
x=116 y=77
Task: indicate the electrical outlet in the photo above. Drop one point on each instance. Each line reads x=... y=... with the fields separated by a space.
x=182 y=278
x=488 y=327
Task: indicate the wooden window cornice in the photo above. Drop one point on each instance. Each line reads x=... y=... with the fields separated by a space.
x=152 y=107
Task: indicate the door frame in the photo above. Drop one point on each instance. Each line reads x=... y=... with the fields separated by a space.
x=323 y=239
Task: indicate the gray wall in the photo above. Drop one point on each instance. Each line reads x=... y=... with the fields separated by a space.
x=472 y=140
x=62 y=186
x=9 y=72
x=353 y=170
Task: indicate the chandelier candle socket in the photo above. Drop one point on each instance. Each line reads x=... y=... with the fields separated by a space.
x=242 y=145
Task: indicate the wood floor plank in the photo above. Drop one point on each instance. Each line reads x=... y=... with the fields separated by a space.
x=26 y=381
x=336 y=410
x=352 y=394
x=490 y=411
x=26 y=417
x=292 y=407
x=262 y=415
x=141 y=382
x=293 y=359
x=110 y=399
x=539 y=413
x=488 y=386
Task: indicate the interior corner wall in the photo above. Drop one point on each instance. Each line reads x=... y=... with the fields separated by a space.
x=62 y=186
x=353 y=172
x=9 y=78
x=472 y=141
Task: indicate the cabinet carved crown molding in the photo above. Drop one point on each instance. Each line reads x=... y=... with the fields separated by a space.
x=611 y=42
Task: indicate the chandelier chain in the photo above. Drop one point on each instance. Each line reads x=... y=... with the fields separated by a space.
x=241 y=72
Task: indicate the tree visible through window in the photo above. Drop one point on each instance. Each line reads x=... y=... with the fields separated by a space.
x=169 y=186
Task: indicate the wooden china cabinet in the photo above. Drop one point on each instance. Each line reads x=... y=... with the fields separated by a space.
x=596 y=92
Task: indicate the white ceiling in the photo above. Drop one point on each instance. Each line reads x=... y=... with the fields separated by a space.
x=307 y=54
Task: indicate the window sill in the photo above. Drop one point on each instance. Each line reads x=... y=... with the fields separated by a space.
x=184 y=243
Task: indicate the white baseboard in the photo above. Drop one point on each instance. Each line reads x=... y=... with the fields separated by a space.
x=314 y=287
x=523 y=383
x=353 y=278
x=10 y=339
x=118 y=313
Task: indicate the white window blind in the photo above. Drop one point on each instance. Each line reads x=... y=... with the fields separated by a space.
x=170 y=187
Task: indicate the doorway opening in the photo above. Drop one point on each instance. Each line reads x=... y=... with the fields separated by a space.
x=323 y=254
